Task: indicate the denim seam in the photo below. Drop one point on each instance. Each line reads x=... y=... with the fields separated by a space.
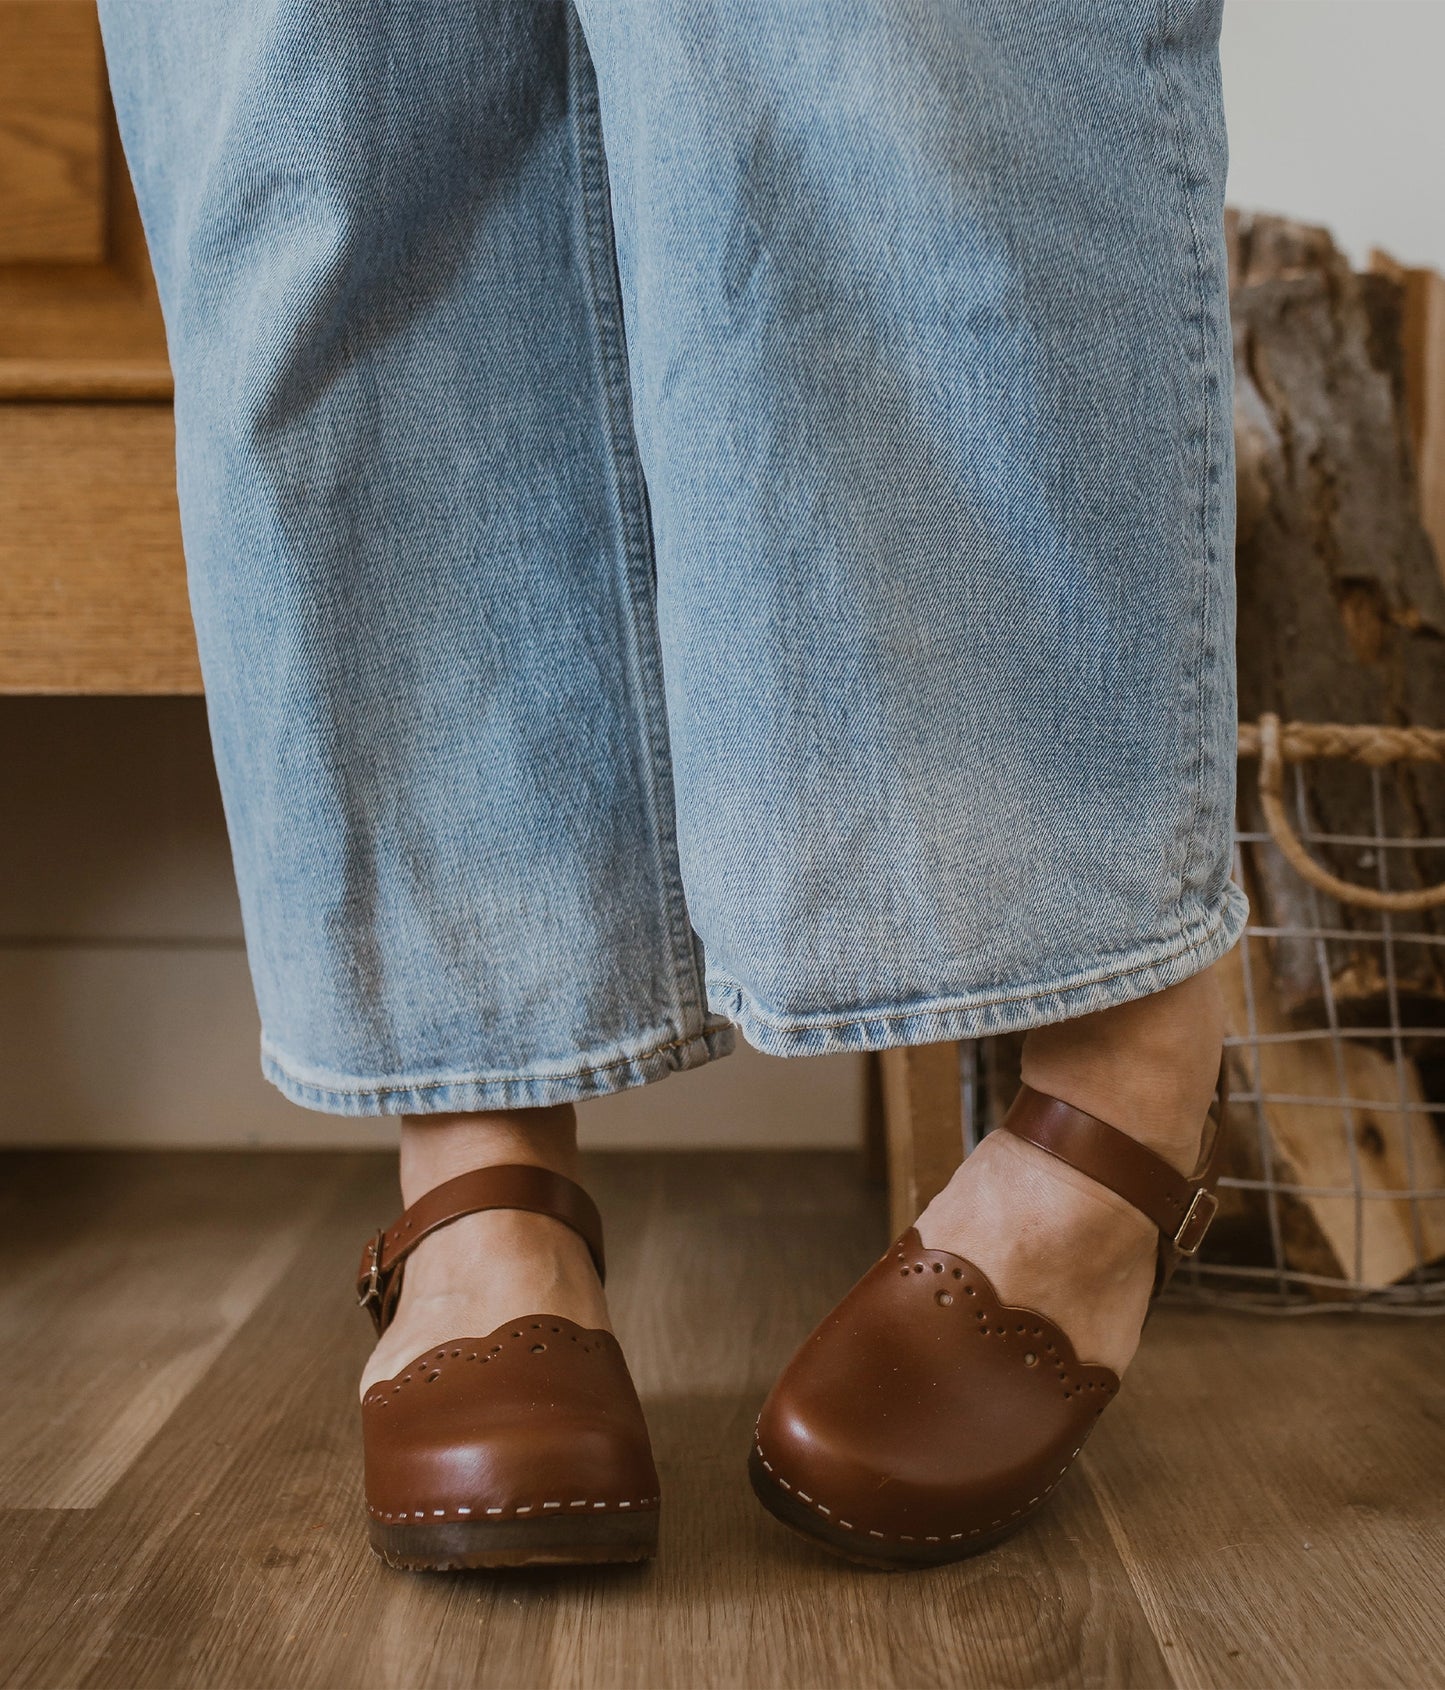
x=387 y=1088
x=1187 y=940
x=1197 y=319
x=629 y=490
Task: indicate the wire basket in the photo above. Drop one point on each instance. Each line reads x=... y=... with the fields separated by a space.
x=1333 y=1195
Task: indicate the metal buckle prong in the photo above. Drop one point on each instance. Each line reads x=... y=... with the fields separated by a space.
x=1196 y=1222
x=371 y=1297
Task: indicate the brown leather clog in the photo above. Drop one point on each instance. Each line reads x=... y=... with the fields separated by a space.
x=926 y=1420
x=524 y=1446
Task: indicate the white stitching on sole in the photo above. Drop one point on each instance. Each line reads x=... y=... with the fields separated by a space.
x=848 y=1526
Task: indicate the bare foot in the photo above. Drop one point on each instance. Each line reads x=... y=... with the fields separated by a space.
x=1047 y=1236
x=471 y=1276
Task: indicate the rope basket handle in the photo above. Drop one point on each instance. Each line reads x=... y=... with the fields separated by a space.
x=1276 y=744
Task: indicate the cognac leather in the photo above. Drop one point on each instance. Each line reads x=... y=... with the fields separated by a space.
x=527 y=1445
x=510 y=1186
x=925 y=1419
x=1181 y=1206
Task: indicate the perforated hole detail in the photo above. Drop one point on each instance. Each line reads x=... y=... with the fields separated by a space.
x=429 y=1370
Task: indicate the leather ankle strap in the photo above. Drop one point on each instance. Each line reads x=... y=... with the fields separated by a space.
x=511 y=1186
x=1181 y=1206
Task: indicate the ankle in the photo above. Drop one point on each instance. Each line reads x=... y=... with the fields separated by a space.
x=1147 y=1067
x=436 y=1148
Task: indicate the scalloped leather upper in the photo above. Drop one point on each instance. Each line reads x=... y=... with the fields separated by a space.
x=539 y=1417
x=923 y=1409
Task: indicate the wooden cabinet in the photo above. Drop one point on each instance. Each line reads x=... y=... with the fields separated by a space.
x=92 y=584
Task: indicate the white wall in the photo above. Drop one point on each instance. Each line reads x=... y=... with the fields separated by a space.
x=1336 y=112
x=126 y=1014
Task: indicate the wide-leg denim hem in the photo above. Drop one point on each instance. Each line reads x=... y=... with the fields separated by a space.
x=969 y=1015
x=593 y=1076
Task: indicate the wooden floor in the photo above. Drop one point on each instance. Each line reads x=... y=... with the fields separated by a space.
x=180 y=1500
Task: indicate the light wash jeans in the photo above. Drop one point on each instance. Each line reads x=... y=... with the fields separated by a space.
x=700 y=513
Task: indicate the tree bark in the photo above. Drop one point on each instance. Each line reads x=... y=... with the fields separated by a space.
x=1341 y=619
x=1341 y=602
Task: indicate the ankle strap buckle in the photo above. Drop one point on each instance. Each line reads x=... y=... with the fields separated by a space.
x=372 y=1288
x=1196 y=1222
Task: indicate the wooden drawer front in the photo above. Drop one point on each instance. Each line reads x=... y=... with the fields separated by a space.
x=92 y=589
x=53 y=123
x=92 y=584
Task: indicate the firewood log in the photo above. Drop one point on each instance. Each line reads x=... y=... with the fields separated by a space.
x=1423 y=333
x=1341 y=603
x=1374 y=1240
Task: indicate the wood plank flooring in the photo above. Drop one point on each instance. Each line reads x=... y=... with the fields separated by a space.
x=180 y=1497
